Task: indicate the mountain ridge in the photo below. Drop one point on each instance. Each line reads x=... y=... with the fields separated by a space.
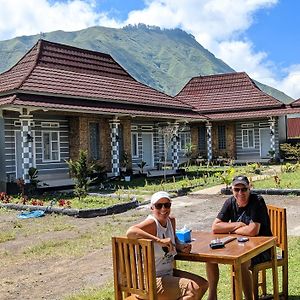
x=165 y=59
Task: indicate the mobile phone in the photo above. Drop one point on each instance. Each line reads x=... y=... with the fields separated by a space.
x=242 y=239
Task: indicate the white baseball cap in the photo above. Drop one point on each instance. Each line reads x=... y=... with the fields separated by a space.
x=159 y=195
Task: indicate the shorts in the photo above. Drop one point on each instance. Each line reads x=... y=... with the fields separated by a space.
x=262 y=257
x=170 y=287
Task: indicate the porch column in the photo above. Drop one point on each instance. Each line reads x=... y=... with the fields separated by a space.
x=2 y=155
x=115 y=152
x=26 y=143
x=209 y=141
x=272 y=134
x=175 y=147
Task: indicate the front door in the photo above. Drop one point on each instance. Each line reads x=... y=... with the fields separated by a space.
x=147 y=149
x=265 y=142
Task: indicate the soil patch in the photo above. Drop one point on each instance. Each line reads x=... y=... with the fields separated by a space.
x=55 y=278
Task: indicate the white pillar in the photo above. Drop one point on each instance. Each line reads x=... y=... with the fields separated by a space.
x=115 y=150
x=209 y=142
x=26 y=142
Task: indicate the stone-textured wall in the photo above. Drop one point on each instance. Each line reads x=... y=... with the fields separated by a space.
x=195 y=139
x=127 y=138
x=79 y=137
x=230 y=150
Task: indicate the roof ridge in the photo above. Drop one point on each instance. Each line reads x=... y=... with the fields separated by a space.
x=38 y=45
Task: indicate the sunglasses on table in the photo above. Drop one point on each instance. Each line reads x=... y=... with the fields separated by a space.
x=160 y=205
x=243 y=190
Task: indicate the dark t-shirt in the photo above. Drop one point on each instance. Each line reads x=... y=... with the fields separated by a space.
x=255 y=211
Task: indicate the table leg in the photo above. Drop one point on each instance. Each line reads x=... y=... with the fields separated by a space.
x=275 y=272
x=237 y=282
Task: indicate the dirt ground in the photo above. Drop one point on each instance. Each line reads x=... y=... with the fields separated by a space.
x=57 y=278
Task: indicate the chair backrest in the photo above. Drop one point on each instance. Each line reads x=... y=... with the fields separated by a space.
x=134 y=268
x=278 y=225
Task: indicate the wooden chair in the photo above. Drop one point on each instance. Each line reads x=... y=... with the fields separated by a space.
x=134 y=269
x=279 y=229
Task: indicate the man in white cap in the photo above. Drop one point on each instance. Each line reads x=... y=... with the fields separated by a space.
x=243 y=213
x=172 y=284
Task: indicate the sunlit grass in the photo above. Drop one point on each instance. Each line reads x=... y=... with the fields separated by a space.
x=7 y=236
x=286 y=180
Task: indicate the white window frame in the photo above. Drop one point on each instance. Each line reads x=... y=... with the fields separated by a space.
x=134 y=135
x=248 y=139
x=51 y=150
x=184 y=139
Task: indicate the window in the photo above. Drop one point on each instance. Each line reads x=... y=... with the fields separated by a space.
x=202 y=138
x=185 y=138
x=94 y=141
x=51 y=146
x=222 y=137
x=49 y=124
x=134 y=145
x=248 y=138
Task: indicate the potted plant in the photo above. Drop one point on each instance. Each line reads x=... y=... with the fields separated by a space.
x=141 y=165
x=127 y=175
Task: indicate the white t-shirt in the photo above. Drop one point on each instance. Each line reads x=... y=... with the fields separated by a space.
x=163 y=260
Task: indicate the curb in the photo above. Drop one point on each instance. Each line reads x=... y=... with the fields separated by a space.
x=274 y=191
x=79 y=213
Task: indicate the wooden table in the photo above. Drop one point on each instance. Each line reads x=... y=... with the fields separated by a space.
x=234 y=254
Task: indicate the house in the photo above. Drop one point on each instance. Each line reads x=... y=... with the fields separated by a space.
x=244 y=123
x=58 y=99
x=293 y=123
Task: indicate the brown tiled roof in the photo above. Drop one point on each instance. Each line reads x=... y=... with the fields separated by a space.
x=99 y=107
x=225 y=93
x=252 y=114
x=293 y=125
x=295 y=103
x=56 y=69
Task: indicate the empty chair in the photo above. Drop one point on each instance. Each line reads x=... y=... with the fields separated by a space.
x=279 y=229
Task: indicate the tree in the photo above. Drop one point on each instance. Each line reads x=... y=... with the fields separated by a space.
x=168 y=132
x=291 y=151
x=80 y=170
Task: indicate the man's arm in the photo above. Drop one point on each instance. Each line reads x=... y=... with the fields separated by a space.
x=219 y=226
x=251 y=230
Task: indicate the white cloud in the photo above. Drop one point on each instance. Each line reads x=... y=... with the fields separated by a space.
x=290 y=83
x=18 y=17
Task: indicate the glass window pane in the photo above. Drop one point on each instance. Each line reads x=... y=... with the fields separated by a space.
x=46 y=145
x=202 y=138
x=251 y=138
x=55 y=156
x=134 y=144
x=54 y=136
x=94 y=141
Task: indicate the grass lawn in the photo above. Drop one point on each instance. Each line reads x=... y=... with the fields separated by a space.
x=224 y=285
x=290 y=180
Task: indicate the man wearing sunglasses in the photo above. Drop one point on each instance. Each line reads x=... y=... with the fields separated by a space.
x=172 y=284
x=243 y=213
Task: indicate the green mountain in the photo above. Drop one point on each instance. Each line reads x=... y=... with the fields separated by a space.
x=163 y=59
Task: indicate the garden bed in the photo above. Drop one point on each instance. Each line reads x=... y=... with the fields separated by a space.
x=80 y=213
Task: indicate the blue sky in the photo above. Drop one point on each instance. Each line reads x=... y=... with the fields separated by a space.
x=260 y=37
